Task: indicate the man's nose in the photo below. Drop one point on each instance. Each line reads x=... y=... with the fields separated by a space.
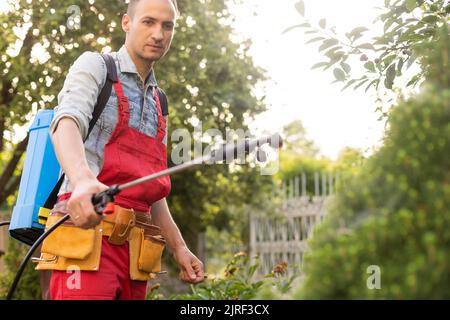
x=158 y=34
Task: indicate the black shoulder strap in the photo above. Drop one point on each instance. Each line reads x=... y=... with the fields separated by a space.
x=102 y=99
x=164 y=103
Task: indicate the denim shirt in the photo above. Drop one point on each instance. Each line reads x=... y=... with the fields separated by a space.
x=78 y=97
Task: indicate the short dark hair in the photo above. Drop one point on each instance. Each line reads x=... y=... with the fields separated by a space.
x=133 y=3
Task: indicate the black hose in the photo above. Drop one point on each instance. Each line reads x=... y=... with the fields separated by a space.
x=30 y=253
x=4 y=223
x=101 y=199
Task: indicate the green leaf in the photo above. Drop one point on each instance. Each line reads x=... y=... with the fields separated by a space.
x=411 y=36
x=388 y=60
x=358 y=30
x=430 y=19
x=360 y=84
x=346 y=67
x=356 y=37
x=356 y=33
x=300 y=6
x=319 y=65
x=413 y=80
x=323 y=23
x=366 y=46
x=381 y=40
x=335 y=56
x=388 y=24
x=329 y=65
x=411 y=5
x=400 y=66
x=328 y=43
x=370 y=66
x=315 y=40
x=252 y=270
x=371 y=84
x=303 y=25
x=428 y=31
x=390 y=76
x=339 y=74
x=411 y=60
x=349 y=83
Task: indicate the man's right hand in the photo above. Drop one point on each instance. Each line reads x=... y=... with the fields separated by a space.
x=80 y=205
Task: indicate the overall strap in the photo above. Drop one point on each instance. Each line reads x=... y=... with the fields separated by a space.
x=124 y=108
x=161 y=120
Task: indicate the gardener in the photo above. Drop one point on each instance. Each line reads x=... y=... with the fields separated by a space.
x=116 y=255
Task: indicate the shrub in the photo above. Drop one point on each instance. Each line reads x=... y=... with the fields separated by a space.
x=396 y=213
x=239 y=282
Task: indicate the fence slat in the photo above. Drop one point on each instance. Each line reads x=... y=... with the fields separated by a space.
x=275 y=240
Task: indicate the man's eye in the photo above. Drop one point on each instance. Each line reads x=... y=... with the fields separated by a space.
x=148 y=22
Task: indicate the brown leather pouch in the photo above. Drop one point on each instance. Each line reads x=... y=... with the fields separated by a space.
x=69 y=241
x=69 y=245
x=146 y=248
x=152 y=247
x=125 y=220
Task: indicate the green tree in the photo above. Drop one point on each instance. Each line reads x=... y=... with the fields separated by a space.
x=296 y=140
x=395 y=213
x=38 y=35
x=349 y=161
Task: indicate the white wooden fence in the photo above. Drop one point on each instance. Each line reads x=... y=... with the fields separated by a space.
x=283 y=237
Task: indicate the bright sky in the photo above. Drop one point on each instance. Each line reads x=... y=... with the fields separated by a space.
x=333 y=119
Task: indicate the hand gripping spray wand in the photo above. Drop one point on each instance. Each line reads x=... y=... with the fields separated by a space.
x=102 y=199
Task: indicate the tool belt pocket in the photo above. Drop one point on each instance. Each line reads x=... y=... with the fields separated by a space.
x=124 y=221
x=152 y=247
x=68 y=241
x=69 y=246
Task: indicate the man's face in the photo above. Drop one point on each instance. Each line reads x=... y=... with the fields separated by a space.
x=150 y=30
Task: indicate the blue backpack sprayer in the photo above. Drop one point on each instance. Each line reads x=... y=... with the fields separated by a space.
x=28 y=218
x=41 y=179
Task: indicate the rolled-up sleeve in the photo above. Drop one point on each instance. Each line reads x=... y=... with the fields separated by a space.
x=82 y=86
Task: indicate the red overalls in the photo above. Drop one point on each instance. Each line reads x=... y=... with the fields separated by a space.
x=129 y=154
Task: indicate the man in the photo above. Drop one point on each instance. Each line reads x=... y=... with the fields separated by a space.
x=128 y=140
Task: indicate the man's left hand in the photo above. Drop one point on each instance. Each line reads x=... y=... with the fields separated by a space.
x=191 y=267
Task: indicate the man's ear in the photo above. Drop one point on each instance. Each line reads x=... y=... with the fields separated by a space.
x=126 y=21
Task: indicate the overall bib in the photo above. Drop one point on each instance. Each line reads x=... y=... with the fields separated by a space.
x=129 y=154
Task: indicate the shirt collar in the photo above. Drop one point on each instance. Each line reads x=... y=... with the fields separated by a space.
x=127 y=65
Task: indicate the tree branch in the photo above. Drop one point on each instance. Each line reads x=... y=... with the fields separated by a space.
x=10 y=189
x=8 y=173
x=2 y=130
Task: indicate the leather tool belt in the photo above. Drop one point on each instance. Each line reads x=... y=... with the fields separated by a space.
x=70 y=247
